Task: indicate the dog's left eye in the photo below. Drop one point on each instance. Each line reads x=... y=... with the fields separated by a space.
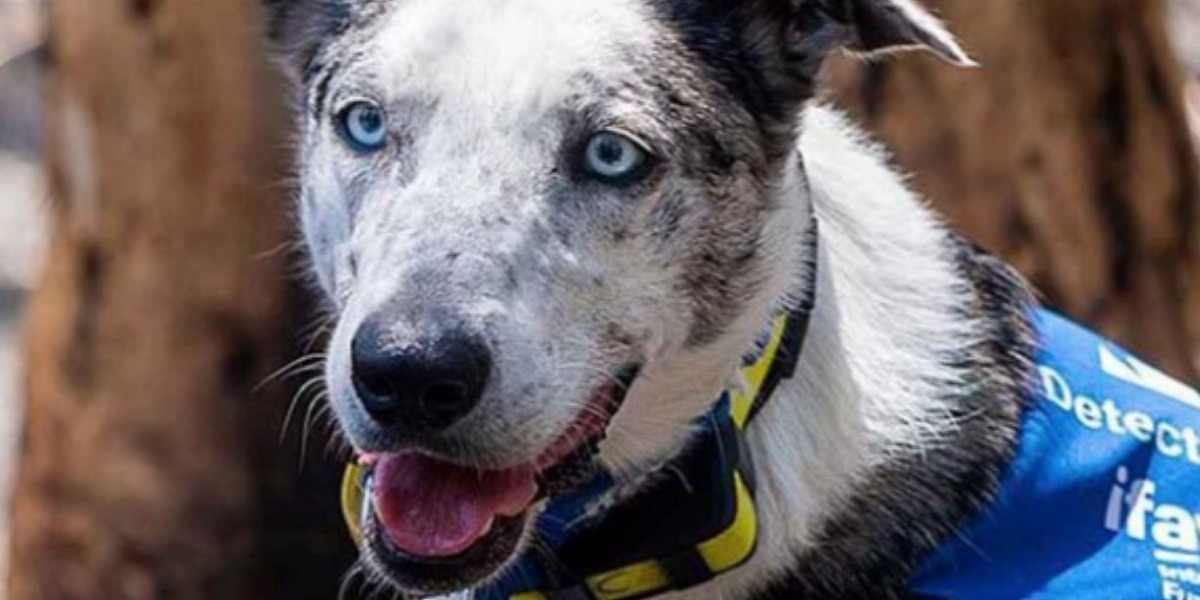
x=614 y=158
x=364 y=126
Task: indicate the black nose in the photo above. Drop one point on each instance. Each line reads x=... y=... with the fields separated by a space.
x=424 y=385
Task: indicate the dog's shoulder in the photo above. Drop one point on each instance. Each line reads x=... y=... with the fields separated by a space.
x=907 y=506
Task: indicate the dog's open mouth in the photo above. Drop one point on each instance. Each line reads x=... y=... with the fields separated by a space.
x=435 y=526
x=430 y=509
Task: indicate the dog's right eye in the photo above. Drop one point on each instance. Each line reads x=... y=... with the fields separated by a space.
x=614 y=158
x=363 y=125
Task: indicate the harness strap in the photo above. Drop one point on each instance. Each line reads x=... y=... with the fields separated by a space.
x=795 y=329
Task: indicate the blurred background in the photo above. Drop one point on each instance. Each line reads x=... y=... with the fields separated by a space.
x=22 y=217
x=147 y=289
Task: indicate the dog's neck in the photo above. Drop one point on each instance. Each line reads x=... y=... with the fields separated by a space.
x=885 y=344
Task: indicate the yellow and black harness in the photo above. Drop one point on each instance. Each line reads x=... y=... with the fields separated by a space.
x=693 y=523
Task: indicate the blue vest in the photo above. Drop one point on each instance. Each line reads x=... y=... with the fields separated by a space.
x=1103 y=498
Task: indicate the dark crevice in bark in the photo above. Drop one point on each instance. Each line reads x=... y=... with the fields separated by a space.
x=1111 y=159
x=143 y=9
x=80 y=359
x=237 y=373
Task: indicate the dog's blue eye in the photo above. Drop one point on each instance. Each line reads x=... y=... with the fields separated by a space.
x=364 y=126
x=613 y=157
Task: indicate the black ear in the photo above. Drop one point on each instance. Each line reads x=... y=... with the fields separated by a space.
x=298 y=29
x=885 y=25
x=869 y=27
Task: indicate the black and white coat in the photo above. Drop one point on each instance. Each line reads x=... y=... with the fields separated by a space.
x=907 y=399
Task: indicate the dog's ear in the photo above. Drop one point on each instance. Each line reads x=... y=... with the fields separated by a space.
x=299 y=28
x=879 y=26
x=813 y=29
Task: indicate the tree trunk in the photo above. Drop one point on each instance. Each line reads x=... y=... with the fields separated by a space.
x=1067 y=153
x=150 y=468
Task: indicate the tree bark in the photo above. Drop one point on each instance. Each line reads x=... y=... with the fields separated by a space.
x=1067 y=153
x=150 y=468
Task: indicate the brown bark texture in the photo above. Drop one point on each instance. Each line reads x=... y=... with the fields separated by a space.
x=151 y=468
x=1067 y=152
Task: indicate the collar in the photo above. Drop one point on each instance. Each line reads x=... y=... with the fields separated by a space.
x=694 y=519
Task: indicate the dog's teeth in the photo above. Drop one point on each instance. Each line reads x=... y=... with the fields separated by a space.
x=488 y=528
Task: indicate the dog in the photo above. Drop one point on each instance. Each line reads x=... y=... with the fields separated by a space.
x=622 y=311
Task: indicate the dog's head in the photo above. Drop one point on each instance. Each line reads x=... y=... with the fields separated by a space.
x=541 y=221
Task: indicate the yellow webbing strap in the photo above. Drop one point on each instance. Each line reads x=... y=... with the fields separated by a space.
x=352 y=500
x=754 y=375
x=722 y=552
x=628 y=581
x=731 y=547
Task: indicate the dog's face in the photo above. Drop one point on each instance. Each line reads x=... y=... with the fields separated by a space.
x=541 y=222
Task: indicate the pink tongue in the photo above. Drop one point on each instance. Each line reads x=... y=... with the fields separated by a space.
x=430 y=508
